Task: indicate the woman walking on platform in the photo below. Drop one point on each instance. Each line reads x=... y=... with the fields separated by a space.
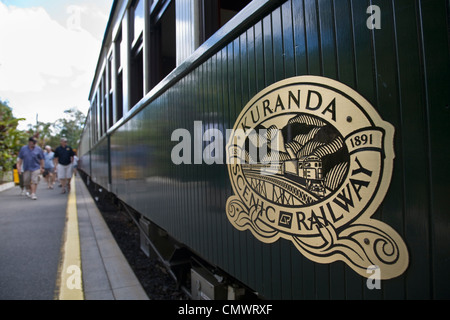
x=49 y=167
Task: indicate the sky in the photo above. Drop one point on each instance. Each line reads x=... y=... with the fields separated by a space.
x=48 y=53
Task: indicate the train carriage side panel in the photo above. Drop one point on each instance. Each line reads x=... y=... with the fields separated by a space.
x=85 y=147
x=99 y=158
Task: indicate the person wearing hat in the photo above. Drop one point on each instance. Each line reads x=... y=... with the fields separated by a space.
x=32 y=158
x=63 y=159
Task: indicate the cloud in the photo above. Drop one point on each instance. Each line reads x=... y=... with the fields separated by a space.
x=88 y=17
x=44 y=62
x=35 y=48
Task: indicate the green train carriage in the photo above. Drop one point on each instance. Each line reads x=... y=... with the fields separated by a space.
x=165 y=65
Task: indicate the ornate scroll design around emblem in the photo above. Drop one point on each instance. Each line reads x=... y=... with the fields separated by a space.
x=322 y=166
x=247 y=218
x=359 y=245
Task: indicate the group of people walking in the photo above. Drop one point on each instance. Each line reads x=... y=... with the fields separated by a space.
x=58 y=165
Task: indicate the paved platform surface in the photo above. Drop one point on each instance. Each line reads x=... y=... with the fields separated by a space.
x=59 y=247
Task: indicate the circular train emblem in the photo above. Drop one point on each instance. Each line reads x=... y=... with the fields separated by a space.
x=310 y=161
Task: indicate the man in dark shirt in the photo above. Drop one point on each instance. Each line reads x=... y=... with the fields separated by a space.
x=63 y=162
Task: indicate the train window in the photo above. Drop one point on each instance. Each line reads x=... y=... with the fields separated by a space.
x=216 y=13
x=137 y=77
x=137 y=73
x=136 y=52
x=110 y=90
x=118 y=47
x=110 y=110
x=138 y=19
x=92 y=119
x=119 y=77
x=119 y=96
x=104 y=103
x=109 y=71
x=100 y=111
x=163 y=42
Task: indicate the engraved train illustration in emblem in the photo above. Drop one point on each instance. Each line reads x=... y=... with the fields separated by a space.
x=306 y=160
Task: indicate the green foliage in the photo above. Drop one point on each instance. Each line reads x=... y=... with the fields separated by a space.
x=71 y=127
x=43 y=132
x=11 y=139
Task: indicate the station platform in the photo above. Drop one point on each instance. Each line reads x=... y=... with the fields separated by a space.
x=58 y=247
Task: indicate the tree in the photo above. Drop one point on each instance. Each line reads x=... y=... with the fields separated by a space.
x=44 y=133
x=71 y=127
x=11 y=139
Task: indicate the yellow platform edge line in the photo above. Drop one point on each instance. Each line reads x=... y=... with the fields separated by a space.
x=70 y=280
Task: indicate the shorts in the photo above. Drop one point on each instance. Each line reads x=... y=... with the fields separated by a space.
x=47 y=171
x=64 y=172
x=31 y=177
